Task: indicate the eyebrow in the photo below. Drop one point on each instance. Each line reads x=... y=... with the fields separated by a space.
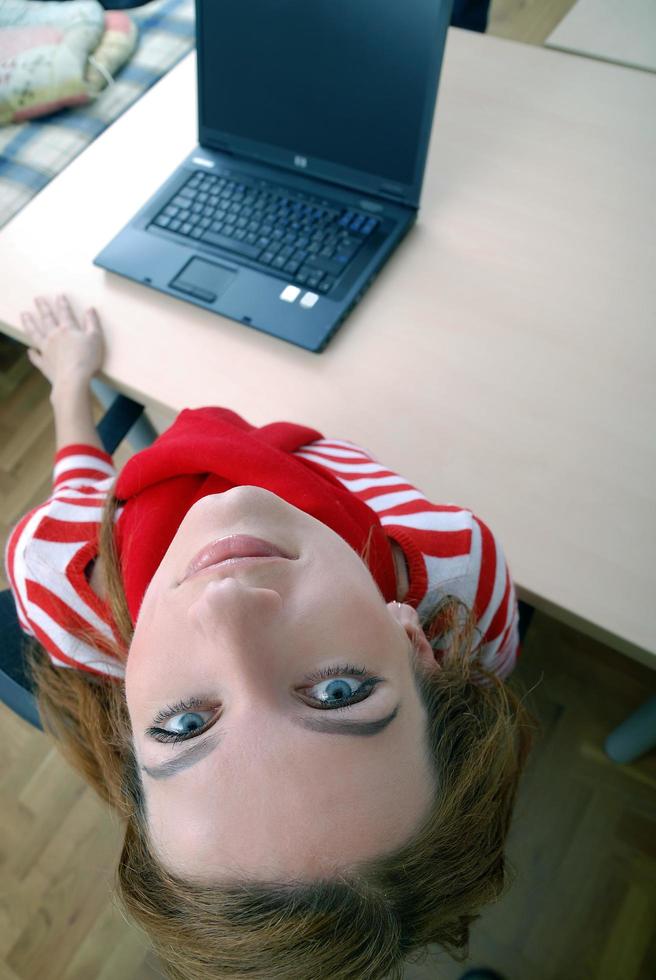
x=330 y=726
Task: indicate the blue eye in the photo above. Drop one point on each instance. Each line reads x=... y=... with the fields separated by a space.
x=184 y=710
x=339 y=697
x=337 y=689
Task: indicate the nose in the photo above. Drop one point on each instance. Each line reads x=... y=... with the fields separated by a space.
x=232 y=605
x=242 y=627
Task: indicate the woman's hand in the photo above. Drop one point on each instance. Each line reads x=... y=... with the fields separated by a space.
x=62 y=349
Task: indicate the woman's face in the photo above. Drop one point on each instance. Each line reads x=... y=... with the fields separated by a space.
x=267 y=795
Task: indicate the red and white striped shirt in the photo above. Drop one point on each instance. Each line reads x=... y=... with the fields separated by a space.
x=448 y=551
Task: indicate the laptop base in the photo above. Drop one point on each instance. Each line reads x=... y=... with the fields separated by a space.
x=228 y=285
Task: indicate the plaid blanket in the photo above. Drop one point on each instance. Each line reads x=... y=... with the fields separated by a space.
x=32 y=153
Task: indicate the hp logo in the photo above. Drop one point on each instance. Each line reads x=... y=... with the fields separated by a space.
x=300 y=161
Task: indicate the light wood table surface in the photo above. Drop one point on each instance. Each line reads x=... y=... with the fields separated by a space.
x=503 y=359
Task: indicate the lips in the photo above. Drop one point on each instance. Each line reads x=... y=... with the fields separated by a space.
x=231 y=547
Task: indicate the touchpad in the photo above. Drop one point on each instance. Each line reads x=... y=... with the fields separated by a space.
x=204 y=280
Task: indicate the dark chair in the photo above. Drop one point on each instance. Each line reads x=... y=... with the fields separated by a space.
x=15 y=683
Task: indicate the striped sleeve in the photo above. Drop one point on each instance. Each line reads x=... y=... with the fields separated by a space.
x=495 y=601
x=80 y=465
x=448 y=549
x=45 y=558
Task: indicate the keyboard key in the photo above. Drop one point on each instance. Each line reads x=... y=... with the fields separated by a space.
x=162 y=221
x=325 y=265
x=222 y=241
x=349 y=244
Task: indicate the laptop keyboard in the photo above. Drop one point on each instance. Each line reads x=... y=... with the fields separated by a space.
x=297 y=236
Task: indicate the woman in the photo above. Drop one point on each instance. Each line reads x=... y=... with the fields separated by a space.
x=244 y=583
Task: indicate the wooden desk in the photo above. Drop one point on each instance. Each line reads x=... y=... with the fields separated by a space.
x=504 y=358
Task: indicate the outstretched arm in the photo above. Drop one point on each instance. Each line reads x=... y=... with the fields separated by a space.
x=68 y=354
x=72 y=408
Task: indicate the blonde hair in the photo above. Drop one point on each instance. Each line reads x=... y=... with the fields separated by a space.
x=371 y=918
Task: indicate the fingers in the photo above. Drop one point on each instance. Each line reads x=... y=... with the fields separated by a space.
x=33 y=329
x=65 y=311
x=91 y=320
x=47 y=315
x=59 y=314
x=38 y=328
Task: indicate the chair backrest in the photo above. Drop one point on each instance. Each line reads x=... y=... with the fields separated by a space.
x=16 y=684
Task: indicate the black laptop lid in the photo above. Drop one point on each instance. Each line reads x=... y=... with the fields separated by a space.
x=341 y=89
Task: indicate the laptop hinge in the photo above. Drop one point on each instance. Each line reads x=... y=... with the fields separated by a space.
x=386 y=191
x=391 y=190
x=223 y=147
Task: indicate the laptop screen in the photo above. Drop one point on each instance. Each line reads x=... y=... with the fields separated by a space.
x=351 y=82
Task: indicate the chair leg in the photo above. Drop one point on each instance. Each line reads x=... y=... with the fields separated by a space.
x=143 y=433
x=525 y=617
x=635 y=736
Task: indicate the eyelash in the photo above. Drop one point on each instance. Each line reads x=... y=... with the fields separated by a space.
x=161 y=735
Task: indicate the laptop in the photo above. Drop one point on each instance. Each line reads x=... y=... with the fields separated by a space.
x=314 y=120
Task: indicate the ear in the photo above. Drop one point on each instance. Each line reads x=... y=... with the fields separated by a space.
x=407 y=617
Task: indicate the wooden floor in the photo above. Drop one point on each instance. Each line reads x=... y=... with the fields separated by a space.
x=583 y=841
